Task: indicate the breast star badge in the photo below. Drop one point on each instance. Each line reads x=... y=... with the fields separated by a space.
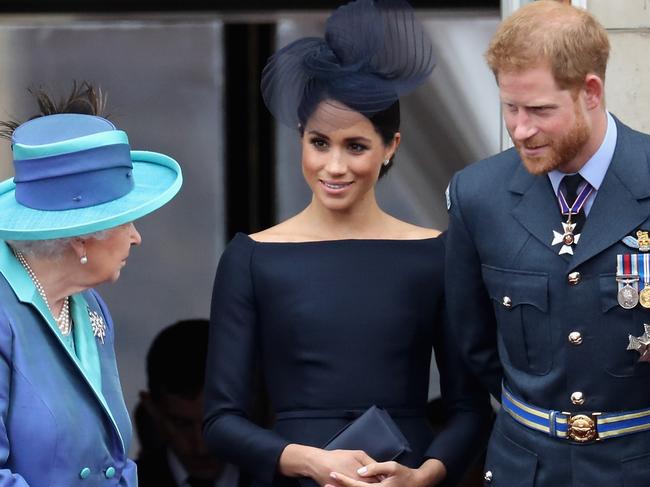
x=567 y=239
x=98 y=325
x=641 y=344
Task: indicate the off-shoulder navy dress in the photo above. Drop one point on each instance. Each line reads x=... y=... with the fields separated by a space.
x=336 y=326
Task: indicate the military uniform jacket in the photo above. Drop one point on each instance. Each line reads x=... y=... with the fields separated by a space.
x=61 y=424
x=512 y=306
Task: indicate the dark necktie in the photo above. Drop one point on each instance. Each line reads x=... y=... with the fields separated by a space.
x=570 y=185
x=196 y=482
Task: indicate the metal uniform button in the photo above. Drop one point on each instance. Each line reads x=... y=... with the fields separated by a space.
x=577 y=398
x=84 y=473
x=488 y=476
x=507 y=302
x=575 y=338
x=574 y=278
x=109 y=473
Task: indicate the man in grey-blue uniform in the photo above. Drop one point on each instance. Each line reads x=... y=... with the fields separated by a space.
x=548 y=263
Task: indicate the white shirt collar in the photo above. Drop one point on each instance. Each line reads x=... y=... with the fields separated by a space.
x=596 y=167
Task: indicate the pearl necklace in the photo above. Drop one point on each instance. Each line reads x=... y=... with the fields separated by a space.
x=64 y=322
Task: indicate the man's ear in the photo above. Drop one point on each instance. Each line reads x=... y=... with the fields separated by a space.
x=594 y=90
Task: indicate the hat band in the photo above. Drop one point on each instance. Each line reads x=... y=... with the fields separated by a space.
x=75 y=180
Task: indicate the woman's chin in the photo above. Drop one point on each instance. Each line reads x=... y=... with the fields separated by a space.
x=335 y=203
x=114 y=277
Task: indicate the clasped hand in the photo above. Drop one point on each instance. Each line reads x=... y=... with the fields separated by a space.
x=391 y=474
x=347 y=462
x=307 y=461
x=355 y=468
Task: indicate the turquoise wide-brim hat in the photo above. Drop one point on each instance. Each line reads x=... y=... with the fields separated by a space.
x=76 y=174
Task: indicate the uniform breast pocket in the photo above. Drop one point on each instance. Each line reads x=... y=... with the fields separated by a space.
x=615 y=329
x=520 y=300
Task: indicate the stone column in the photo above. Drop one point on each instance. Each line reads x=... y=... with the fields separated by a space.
x=627 y=86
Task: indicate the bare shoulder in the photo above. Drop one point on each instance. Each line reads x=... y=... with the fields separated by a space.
x=409 y=231
x=287 y=231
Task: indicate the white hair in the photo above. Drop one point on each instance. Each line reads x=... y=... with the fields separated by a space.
x=52 y=248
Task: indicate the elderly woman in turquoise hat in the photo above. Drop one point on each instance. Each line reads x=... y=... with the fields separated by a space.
x=66 y=224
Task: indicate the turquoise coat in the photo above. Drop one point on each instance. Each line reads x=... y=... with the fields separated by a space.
x=63 y=421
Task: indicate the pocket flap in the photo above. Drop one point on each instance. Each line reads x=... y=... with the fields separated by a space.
x=522 y=287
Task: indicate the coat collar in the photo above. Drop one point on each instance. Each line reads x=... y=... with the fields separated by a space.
x=22 y=284
x=87 y=357
x=537 y=210
x=616 y=211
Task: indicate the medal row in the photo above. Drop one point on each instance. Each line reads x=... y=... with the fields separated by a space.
x=633 y=278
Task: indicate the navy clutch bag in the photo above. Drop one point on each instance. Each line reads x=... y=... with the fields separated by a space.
x=374 y=432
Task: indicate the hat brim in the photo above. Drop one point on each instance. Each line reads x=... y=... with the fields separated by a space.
x=157 y=178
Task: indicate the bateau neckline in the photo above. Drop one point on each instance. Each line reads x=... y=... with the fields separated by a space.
x=427 y=239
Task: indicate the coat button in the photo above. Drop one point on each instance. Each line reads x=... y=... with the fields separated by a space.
x=507 y=302
x=574 y=278
x=109 y=473
x=488 y=476
x=577 y=398
x=84 y=473
x=575 y=338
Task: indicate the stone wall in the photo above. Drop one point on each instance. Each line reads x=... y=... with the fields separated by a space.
x=628 y=73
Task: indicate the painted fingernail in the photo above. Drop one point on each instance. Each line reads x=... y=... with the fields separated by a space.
x=362 y=470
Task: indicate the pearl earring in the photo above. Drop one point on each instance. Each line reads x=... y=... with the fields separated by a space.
x=83 y=260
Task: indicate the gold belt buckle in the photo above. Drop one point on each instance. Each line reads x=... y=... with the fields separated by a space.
x=581 y=428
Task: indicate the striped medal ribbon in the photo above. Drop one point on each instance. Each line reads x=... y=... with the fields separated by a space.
x=567 y=238
x=627 y=277
x=644 y=279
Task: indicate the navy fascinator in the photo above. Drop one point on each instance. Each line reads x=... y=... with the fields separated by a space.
x=373 y=53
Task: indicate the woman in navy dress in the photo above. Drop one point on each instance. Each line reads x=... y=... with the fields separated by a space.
x=341 y=304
